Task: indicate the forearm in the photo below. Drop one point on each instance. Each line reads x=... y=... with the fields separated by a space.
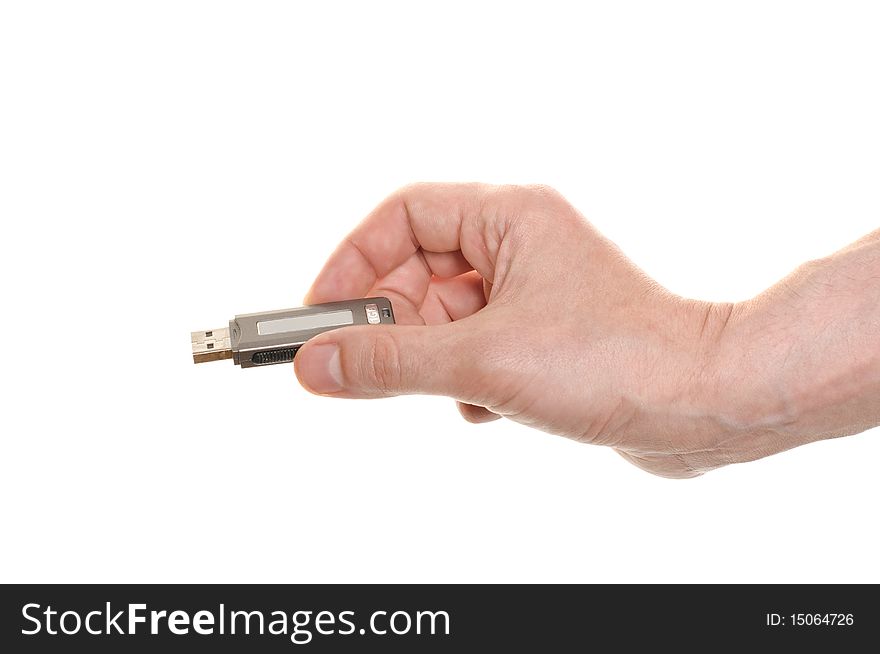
x=804 y=356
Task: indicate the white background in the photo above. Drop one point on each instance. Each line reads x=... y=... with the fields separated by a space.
x=166 y=165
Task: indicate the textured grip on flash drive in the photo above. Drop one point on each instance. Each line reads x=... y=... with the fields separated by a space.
x=269 y=357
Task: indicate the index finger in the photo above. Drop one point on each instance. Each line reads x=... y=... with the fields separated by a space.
x=438 y=218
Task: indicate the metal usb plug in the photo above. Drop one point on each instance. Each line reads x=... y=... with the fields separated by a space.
x=211 y=345
x=261 y=339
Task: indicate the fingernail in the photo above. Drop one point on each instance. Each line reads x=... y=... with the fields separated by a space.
x=319 y=368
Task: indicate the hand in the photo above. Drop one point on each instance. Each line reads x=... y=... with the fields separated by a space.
x=509 y=301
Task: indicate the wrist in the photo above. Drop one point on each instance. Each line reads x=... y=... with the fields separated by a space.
x=745 y=388
x=813 y=342
x=801 y=362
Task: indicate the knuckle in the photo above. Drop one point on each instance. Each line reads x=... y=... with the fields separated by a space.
x=381 y=366
x=408 y=198
x=545 y=207
x=543 y=192
x=529 y=193
x=411 y=189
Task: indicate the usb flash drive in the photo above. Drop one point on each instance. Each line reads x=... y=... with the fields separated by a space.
x=262 y=339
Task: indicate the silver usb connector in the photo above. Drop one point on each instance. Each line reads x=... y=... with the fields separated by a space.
x=260 y=339
x=211 y=345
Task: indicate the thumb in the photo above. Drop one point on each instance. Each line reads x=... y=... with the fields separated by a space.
x=384 y=360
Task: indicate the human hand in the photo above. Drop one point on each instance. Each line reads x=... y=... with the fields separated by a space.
x=509 y=301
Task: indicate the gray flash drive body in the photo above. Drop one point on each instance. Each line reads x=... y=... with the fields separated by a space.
x=262 y=339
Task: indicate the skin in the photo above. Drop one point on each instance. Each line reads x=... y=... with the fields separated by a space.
x=677 y=386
